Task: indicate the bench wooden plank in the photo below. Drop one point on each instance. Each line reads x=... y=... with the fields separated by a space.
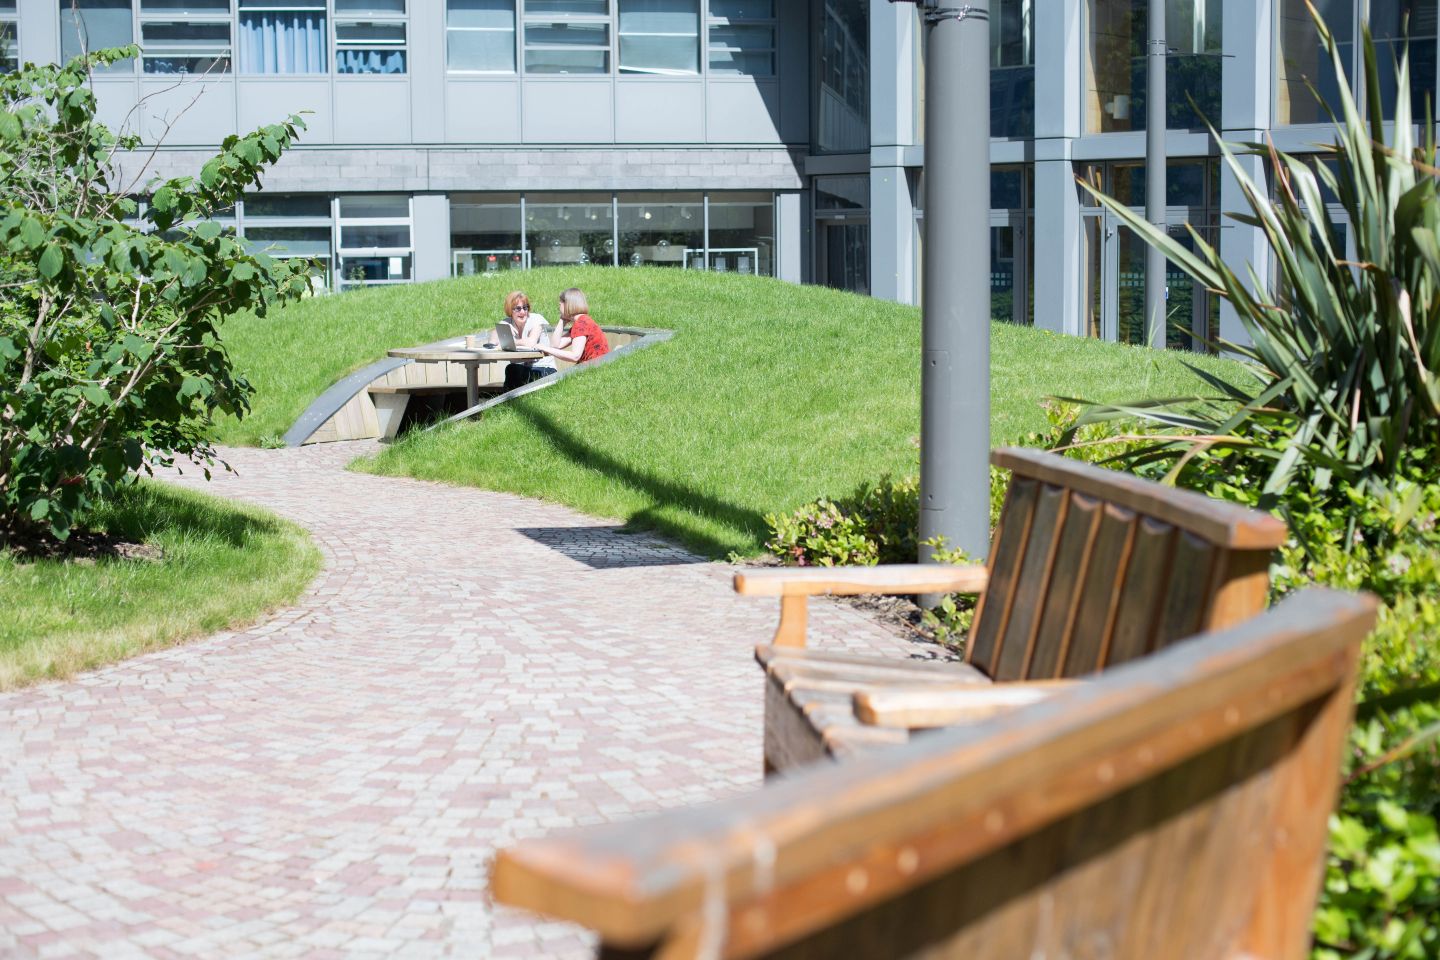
x=993 y=613
x=1100 y=591
x=1112 y=814
x=1062 y=602
x=1146 y=580
x=1033 y=584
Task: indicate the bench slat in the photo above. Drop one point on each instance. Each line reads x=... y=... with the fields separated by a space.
x=1145 y=583
x=993 y=613
x=1062 y=602
x=1033 y=584
x=1100 y=591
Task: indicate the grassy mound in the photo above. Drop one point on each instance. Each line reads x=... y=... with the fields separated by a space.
x=769 y=394
x=212 y=565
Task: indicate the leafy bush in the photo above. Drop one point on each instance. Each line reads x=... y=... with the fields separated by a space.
x=110 y=353
x=1345 y=354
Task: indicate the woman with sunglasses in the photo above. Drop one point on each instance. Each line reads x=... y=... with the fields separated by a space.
x=531 y=333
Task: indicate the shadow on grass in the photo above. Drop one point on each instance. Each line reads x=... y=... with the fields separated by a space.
x=149 y=509
x=663 y=492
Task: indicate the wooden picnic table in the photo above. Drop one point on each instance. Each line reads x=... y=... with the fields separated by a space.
x=455 y=351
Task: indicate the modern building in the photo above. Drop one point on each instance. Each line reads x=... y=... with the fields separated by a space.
x=777 y=137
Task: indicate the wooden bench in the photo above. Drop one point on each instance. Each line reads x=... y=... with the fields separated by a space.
x=391 y=400
x=1089 y=568
x=1175 y=806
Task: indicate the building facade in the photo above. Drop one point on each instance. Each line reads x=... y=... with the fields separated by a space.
x=774 y=137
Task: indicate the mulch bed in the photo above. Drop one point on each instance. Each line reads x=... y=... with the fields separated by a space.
x=81 y=547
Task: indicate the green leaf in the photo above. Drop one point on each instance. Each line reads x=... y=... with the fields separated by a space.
x=208 y=230
x=94 y=395
x=1393 y=815
x=51 y=261
x=242 y=272
x=39 y=509
x=10 y=127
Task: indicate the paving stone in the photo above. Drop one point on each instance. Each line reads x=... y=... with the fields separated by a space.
x=335 y=780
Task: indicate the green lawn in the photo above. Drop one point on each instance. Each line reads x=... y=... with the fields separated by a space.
x=769 y=394
x=221 y=565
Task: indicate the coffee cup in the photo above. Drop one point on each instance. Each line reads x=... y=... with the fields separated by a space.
x=471 y=342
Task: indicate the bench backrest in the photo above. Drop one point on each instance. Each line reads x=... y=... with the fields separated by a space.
x=1091 y=567
x=1173 y=807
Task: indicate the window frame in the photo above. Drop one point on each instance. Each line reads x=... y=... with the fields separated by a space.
x=515 y=50
x=144 y=18
x=607 y=20
x=10 y=16
x=372 y=18
x=700 y=38
x=341 y=253
x=290 y=6
x=712 y=21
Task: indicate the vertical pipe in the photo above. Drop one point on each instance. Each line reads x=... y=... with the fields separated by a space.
x=1155 y=98
x=955 y=326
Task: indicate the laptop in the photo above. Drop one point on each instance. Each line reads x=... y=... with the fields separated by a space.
x=504 y=336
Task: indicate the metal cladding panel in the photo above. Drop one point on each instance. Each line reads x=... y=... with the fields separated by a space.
x=269 y=100
x=743 y=111
x=191 y=112
x=482 y=110
x=572 y=110
x=660 y=111
x=372 y=110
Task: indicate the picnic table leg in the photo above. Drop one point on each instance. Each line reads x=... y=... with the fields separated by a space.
x=472 y=384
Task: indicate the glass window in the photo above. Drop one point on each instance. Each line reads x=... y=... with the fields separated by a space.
x=286 y=37
x=1391 y=21
x=742 y=37
x=195 y=46
x=1115 y=66
x=661 y=229
x=286 y=205
x=369 y=46
x=742 y=233
x=660 y=36
x=570 y=228
x=177 y=7
x=1012 y=68
x=375 y=240
x=567 y=36
x=9 y=37
x=842 y=193
x=842 y=108
x=485 y=233
x=480 y=36
x=289 y=243
x=96 y=25
x=1303 y=62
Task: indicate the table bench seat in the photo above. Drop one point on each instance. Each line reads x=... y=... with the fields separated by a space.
x=391 y=400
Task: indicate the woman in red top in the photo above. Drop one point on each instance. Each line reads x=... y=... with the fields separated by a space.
x=584 y=340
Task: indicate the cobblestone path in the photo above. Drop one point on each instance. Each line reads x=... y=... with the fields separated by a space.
x=334 y=780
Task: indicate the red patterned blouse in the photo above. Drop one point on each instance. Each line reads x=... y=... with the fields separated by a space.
x=595 y=343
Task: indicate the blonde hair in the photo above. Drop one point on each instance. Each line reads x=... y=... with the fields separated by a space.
x=573 y=303
x=512 y=298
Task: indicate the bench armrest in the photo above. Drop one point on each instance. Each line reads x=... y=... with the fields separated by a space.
x=852 y=581
x=794 y=584
x=921 y=707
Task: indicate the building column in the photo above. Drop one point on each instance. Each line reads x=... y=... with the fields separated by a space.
x=1059 y=64
x=892 y=235
x=894 y=103
x=1245 y=112
x=430 y=213
x=790 y=245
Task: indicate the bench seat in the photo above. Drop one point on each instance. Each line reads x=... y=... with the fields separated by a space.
x=391 y=400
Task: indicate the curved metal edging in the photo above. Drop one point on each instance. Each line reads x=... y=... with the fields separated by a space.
x=329 y=403
x=648 y=338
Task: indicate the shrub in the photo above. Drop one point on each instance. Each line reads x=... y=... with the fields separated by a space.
x=1345 y=354
x=110 y=353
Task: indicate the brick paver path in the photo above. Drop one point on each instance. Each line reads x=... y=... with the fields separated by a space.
x=471 y=668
